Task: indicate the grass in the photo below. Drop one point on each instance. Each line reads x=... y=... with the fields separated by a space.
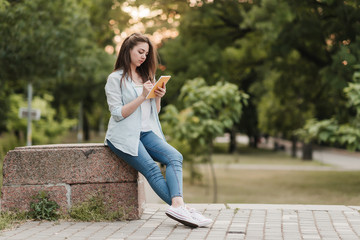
x=9 y=219
x=271 y=186
x=276 y=187
x=95 y=209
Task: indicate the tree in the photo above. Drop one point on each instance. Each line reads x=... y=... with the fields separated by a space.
x=31 y=51
x=344 y=134
x=54 y=46
x=106 y=19
x=208 y=111
x=197 y=51
x=208 y=46
x=303 y=37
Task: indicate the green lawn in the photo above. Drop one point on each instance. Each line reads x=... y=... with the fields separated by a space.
x=272 y=186
x=277 y=187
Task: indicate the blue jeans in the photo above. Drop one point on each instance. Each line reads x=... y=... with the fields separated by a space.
x=151 y=149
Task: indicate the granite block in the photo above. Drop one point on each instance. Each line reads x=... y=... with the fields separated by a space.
x=70 y=164
x=70 y=173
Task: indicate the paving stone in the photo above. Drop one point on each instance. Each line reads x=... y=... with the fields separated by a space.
x=267 y=222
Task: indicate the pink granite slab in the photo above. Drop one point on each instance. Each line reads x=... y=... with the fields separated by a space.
x=75 y=163
x=70 y=173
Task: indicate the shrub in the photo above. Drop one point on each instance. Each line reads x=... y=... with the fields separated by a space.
x=42 y=208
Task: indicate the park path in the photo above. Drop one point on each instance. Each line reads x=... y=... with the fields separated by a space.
x=231 y=221
x=338 y=158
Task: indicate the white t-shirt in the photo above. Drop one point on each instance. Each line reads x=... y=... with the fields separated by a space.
x=145 y=111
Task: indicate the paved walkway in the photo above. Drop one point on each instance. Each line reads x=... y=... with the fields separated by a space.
x=342 y=159
x=339 y=158
x=231 y=221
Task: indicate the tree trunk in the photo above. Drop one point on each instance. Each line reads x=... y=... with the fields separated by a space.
x=256 y=140
x=232 y=144
x=307 y=151
x=276 y=145
x=86 y=128
x=293 y=146
x=101 y=129
x=212 y=171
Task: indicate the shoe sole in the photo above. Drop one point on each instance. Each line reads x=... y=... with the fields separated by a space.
x=204 y=224
x=186 y=223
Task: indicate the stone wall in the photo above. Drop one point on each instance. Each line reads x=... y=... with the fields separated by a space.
x=71 y=173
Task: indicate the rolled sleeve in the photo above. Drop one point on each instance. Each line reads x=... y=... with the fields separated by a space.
x=114 y=97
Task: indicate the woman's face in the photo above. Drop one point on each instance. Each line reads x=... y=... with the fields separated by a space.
x=139 y=53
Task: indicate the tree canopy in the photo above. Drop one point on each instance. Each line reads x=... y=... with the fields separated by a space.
x=295 y=59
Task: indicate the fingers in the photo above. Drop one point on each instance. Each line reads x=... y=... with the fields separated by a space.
x=148 y=84
x=160 y=92
x=147 y=87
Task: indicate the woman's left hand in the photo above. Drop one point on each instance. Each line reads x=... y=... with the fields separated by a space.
x=160 y=92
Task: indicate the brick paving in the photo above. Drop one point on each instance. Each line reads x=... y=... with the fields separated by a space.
x=231 y=221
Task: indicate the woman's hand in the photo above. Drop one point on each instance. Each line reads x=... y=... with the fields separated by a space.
x=160 y=92
x=147 y=87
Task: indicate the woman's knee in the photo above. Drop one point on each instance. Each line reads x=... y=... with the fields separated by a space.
x=180 y=158
x=177 y=158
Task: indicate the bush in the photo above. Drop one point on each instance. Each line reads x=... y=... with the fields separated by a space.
x=43 y=208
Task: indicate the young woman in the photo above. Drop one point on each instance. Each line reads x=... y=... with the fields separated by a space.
x=134 y=131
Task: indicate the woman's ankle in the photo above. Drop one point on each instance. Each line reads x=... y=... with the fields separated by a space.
x=177 y=202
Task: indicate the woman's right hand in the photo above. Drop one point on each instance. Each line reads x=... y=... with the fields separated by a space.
x=130 y=107
x=147 y=87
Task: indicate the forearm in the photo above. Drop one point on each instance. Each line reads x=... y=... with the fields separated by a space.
x=158 y=104
x=129 y=108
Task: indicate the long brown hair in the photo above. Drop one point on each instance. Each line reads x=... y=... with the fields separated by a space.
x=147 y=69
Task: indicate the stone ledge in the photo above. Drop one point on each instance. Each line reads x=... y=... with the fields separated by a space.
x=70 y=173
x=70 y=164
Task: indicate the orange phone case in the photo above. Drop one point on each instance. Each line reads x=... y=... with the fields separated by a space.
x=159 y=83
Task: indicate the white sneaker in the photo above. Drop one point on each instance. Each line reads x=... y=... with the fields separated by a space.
x=202 y=221
x=181 y=214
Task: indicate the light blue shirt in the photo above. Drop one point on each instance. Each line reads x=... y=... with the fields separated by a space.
x=124 y=133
